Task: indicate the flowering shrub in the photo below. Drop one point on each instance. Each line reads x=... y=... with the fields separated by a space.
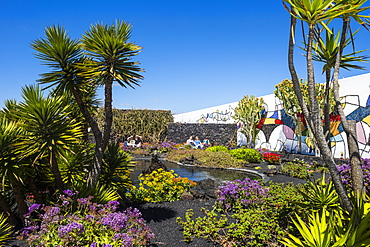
x=258 y=225
x=240 y=193
x=345 y=172
x=160 y=186
x=272 y=158
x=79 y=222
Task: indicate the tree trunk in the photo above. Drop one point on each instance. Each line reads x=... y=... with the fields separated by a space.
x=94 y=172
x=20 y=199
x=313 y=121
x=34 y=190
x=349 y=128
x=108 y=113
x=327 y=109
x=55 y=169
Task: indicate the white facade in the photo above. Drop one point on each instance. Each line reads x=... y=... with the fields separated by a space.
x=280 y=134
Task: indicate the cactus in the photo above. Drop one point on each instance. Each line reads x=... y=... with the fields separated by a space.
x=249 y=113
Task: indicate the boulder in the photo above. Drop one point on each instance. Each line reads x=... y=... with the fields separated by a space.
x=155 y=164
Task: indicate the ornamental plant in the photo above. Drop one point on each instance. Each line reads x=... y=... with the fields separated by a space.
x=272 y=158
x=345 y=173
x=299 y=168
x=217 y=148
x=262 y=221
x=239 y=194
x=79 y=222
x=247 y=154
x=160 y=186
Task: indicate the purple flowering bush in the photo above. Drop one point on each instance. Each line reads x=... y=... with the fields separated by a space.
x=345 y=172
x=79 y=222
x=240 y=193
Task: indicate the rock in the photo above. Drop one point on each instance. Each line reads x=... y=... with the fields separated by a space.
x=187 y=196
x=205 y=189
x=155 y=165
x=191 y=160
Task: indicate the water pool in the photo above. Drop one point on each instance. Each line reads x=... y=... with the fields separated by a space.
x=193 y=173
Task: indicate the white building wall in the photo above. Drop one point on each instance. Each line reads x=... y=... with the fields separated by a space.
x=355 y=92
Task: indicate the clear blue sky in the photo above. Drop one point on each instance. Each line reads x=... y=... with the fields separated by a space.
x=196 y=53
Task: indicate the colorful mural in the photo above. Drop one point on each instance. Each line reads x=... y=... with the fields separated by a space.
x=218 y=116
x=278 y=129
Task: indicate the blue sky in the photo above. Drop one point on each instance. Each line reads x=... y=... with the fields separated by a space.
x=196 y=53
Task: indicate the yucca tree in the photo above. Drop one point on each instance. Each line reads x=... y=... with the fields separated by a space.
x=61 y=53
x=326 y=51
x=12 y=170
x=49 y=130
x=110 y=53
x=320 y=13
x=353 y=11
x=107 y=59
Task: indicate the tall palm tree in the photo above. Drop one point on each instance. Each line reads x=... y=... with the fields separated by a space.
x=110 y=54
x=49 y=130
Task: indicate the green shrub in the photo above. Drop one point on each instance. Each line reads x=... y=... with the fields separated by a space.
x=264 y=222
x=217 y=149
x=247 y=154
x=298 y=168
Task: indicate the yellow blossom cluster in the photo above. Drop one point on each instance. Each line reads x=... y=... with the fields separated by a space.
x=160 y=186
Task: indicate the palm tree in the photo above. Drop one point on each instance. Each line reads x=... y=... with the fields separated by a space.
x=49 y=130
x=110 y=51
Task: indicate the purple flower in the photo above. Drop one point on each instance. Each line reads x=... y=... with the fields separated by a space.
x=63 y=231
x=34 y=207
x=70 y=193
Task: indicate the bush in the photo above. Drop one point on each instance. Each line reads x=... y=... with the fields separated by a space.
x=210 y=159
x=298 y=168
x=247 y=154
x=263 y=222
x=217 y=149
x=345 y=172
x=79 y=222
x=239 y=194
x=160 y=186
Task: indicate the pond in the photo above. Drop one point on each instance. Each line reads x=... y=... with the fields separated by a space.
x=193 y=173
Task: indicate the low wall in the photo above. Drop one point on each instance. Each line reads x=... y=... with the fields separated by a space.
x=218 y=134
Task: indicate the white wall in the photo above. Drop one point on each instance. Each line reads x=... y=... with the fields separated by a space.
x=355 y=92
